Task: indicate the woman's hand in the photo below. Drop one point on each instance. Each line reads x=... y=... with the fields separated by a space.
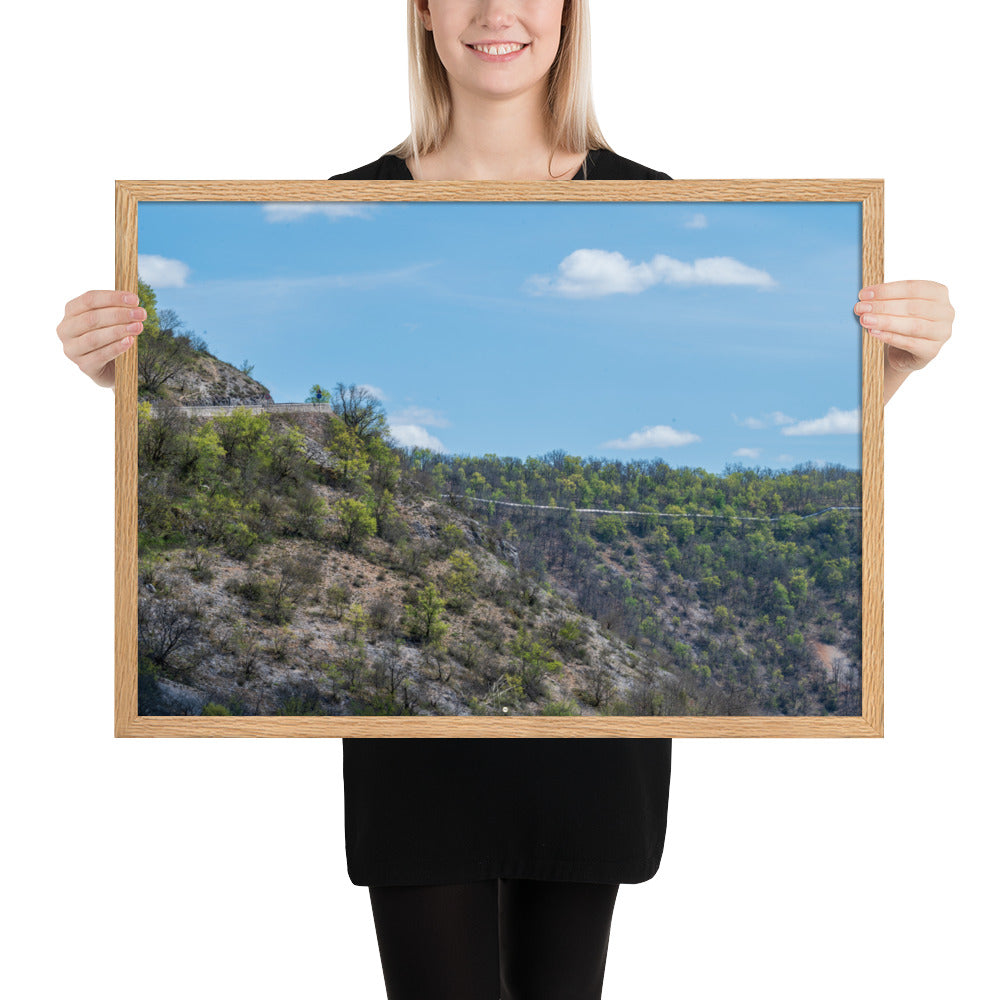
x=97 y=327
x=912 y=318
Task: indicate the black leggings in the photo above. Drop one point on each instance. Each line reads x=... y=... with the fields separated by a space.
x=513 y=939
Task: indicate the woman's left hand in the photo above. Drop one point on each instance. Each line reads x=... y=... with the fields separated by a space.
x=912 y=318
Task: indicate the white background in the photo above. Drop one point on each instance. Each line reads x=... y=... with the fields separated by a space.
x=215 y=868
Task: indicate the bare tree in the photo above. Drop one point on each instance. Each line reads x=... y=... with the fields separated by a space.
x=160 y=359
x=360 y=410
x=165 y=628
x=598 y=686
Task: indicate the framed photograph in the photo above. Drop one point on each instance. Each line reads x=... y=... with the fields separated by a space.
x=481 y=459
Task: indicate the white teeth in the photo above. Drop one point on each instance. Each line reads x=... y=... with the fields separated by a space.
x=498 y=50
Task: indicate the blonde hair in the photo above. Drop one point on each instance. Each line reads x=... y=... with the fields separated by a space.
x=571 y=124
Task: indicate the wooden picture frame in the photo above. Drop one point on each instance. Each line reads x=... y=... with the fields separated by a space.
x=866 y=195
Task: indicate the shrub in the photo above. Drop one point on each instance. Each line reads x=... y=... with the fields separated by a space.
x=607 y=528
x=559 y=708
x=383 y=613
x=238 y=540
x=357 y=522
x=165 y=628
x=200 y=565
x=450 y=537
x=337 y=596
x=265 y=596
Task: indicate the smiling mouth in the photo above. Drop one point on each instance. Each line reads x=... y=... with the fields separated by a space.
x=499 y=50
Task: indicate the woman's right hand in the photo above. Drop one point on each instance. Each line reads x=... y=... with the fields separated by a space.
x=97 y=327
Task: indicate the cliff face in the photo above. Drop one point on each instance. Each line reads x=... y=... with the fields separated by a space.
x=199 y=379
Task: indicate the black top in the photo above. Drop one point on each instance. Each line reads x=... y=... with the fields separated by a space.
x=602 y=165
x=440 y=810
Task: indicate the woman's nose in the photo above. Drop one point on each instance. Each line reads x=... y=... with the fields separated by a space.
x=496 y=13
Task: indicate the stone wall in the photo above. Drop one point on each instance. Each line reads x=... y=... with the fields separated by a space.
x=223 y=410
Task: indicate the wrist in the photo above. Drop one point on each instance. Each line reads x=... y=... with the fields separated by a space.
x=892 y=379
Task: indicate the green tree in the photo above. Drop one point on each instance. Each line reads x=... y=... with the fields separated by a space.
x=529 y=651
x=383 y=466
x=200 y=455
x=286 y=460
x=608 y=527
x=246 y=438
x=461 y=579
x=317 y=394
x=422 y=616
x=682 y=528
x=357 y=621
x=347 y=449
x=780 y=603
x=147 y=300
x=798 y=587
x=356 y=521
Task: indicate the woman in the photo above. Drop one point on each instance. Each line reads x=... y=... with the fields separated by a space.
x=493 y=865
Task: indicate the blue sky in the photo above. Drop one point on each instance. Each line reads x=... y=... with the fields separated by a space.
x=702 y=334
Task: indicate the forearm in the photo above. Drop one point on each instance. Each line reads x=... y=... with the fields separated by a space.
x=892 y=380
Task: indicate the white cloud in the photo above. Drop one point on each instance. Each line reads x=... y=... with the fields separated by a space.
x=835 y=422
x=593 y=273
x=414 y=436
x=775 y=419
x=374 y=390
x=659 y=436
x=747 y=453
x=162 y=272
x=295 y=211
x=697 y=221
x=419 y=415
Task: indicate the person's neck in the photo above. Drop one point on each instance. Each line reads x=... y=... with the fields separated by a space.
x=496 y=140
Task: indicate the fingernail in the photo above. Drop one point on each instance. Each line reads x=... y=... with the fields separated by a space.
x=126 y=343
x=867 y=293
x=863 y=307
x=133 y=328
x=130 y=299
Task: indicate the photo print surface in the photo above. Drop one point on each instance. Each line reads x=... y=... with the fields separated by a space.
x=479 y=458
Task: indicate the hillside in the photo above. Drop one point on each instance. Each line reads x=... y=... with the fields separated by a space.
x=301 y=563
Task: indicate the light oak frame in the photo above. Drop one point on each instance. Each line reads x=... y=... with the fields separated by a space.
x=128 y=194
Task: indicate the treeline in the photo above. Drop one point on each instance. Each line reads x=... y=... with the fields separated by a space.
x=651 y=485
x=770 y=585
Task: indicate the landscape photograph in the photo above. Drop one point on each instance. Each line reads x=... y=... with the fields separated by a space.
x=499 y=459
